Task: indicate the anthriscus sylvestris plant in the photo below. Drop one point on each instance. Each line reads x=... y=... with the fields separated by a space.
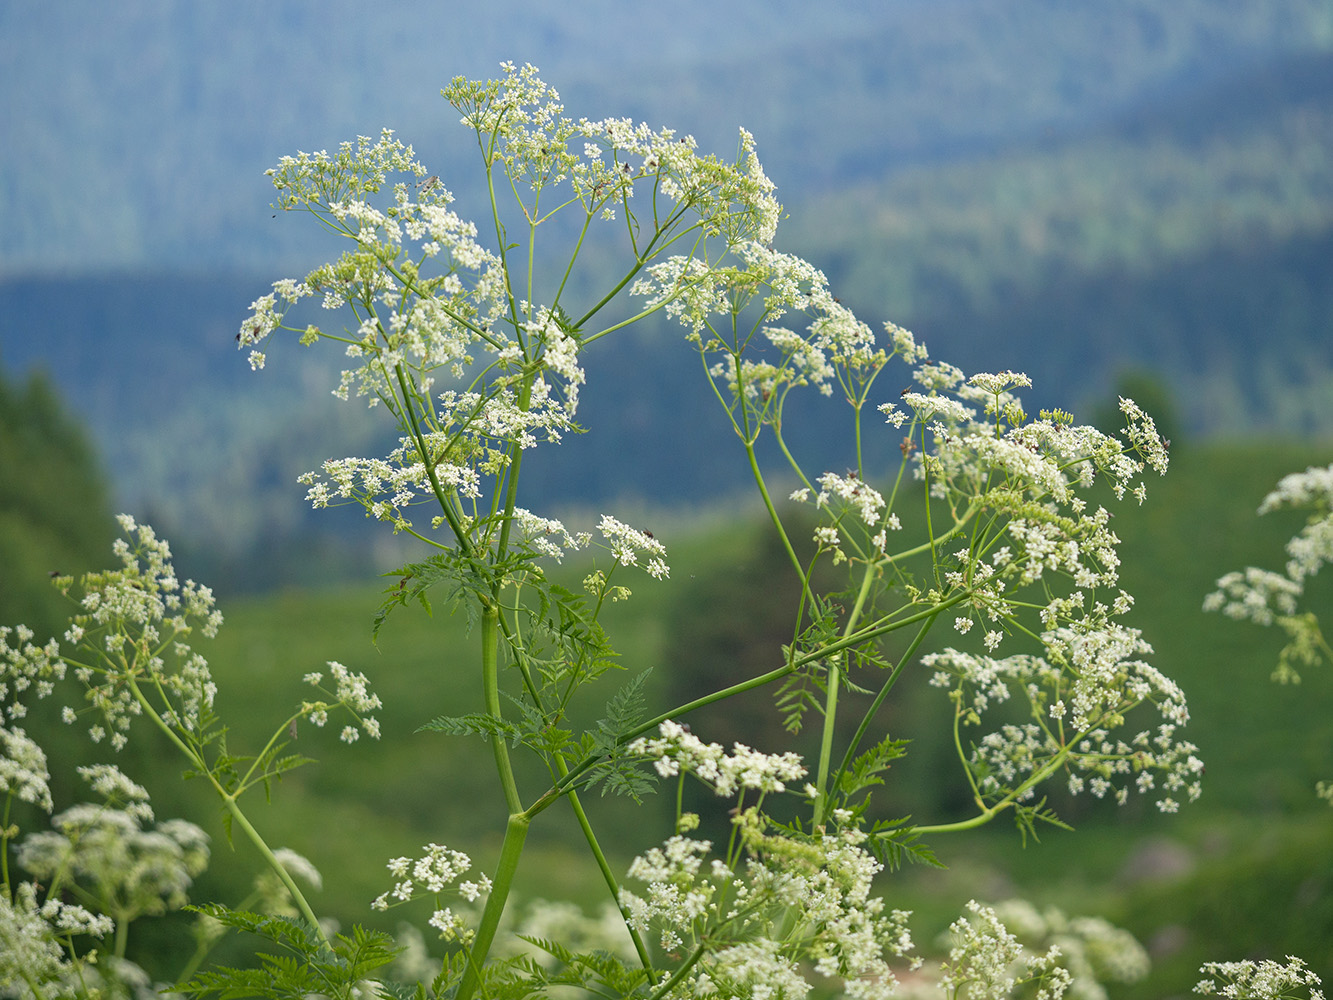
x=1266 y=597
x=475 y=347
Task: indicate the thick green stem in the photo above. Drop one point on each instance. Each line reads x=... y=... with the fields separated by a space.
x=516 y=832
x=490 y=679
x=122 y=938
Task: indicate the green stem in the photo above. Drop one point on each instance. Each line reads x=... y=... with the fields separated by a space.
x=879 y=699
x=988 y=813
x=445 y=507
x=122 y=938
x=773 y=516
x=32 y=983
x=4 y=845
x=298 y=897
x=607 y=874
x=680 y=973
x=831 y=701
x=511 y=473
x=490 y=679
x=516 y=832
x=229 y=803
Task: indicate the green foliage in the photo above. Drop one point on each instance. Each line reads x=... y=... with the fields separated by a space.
x=307 y=965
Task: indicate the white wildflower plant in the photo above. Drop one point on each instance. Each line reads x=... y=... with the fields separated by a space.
x=757 y=917
x=126 y=659
x=476 y=351
x=1264 y=980
x=1015 y=949
x=1265 y=597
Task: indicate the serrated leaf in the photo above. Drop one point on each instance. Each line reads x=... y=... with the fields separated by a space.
x=625 y=710
x=475 y=724
x=865 y=769
x=893 y=843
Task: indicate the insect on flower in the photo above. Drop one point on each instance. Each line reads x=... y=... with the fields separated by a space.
x=428 y=184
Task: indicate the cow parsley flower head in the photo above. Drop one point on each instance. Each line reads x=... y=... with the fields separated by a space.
x=23 y=771
x=1265 y=980
x=131 y=630
x=677 y=749
x=1266 y=597
x=1081 y=690
x=432 y=875
x=351 y=691
x=28 y=670
x=627 y=544
x=111 y=855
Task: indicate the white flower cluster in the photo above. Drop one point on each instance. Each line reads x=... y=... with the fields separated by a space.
x=427 y=296
x=626 y=545
x=132 y=624
x=548 y=536
x=855 y=494
x=117 y=789
x=677 y=750
x=677 y=899
x=1265 y=597
x=26 y=669
x=352 y=692
x=839 y=495
x=32 y=936
x=431 y=875
x=796 y=907
x=522 y=119
x=23 y=771
x=987 y=960
x=385 y=488
x=835 y=347
x=1266 y=980
x=1094 y=951
x=1078 y=694
x=109 y=853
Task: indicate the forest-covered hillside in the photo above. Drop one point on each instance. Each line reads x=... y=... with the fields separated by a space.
x=140 y=130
